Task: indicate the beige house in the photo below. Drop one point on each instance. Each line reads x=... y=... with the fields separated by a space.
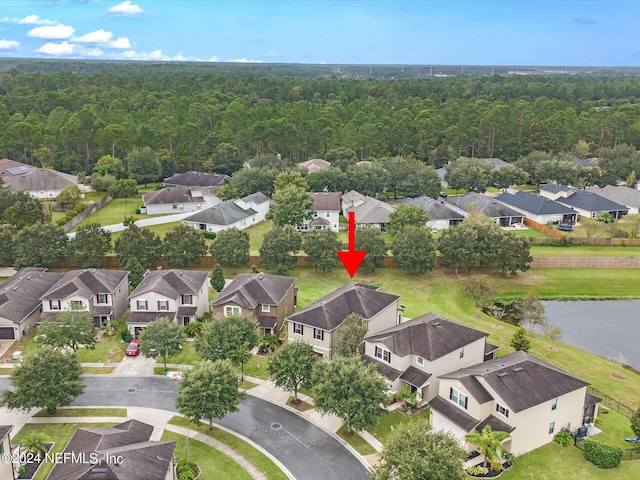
x=8 y=470
x=180 y=295
x=40 y=183
x=101 y=292
x=519 y=394
x=317 y=323
x=418 y=351
x=20 y=303
x=268 y=299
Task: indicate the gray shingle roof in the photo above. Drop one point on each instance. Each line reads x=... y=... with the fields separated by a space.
x=328 y=312
x=534 y=203
x=225 y=213
x=326 y=201
x=496 y=425
x=252 y=289
x=489 y=206
x=372 y=211
x=624 y=195
x=588 y=201
x=171 y=195
x=415 y=377
x=314 y=165
x=20 y=294
x=171 y=283
x=454 y=413
x=436 y=210
x=40 y=179
x=257 y=198
x=383 y=369
x=192 y=179
x=85 y=283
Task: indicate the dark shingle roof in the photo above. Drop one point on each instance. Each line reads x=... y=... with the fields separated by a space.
x=589 y=201
x=534 y=203
x=624 y=195
x=225 y=213
x=252 y=289
x=171 y=195
x=20 y=294
x=138 y=316
x=257 y=197
x=489 y=206
x=192 y=179
x=415 y=377
x=435 y=209
x=429 y=336
x=171 y=283
x=4 y=431
x=329 y=312
x=86 y=283
x=326 y=201
x=383 y=369
x=496 y=425
x=454 y=413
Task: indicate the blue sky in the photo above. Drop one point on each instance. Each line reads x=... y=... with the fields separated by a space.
x=454 y=32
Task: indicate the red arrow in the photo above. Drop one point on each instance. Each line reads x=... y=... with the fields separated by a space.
x=352 y=259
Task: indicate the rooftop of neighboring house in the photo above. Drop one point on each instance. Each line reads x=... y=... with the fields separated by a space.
x=329 y=201
x=489 y=206
x=620 y=194
x=225 y=213
x=589 y=201
x=436 y=210
x=171 y=283
x=249 y=290
x=256 y=198
x=9 y=168
x=495 y=162
x=171 y=195
x=193 y=179
x=372 y=211
x=328 y=312
x=352 y=196
x=533 y=203
x=314 y=165
x=429 y=336
x=29 y=178
x=85 y=283
x=20 y=294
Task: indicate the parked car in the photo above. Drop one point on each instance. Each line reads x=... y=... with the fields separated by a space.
x=443 y=194
x=133 y=349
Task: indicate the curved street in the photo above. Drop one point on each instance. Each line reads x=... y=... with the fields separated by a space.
x=305 y=449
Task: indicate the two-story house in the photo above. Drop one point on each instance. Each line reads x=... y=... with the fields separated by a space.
x=179 y=295
x=317 y=323
x=101 y=292
x=418 y=351
x=326 y=213
x=267 y=299
x=518 y=394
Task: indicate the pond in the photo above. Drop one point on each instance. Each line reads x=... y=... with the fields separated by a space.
x=608 y=328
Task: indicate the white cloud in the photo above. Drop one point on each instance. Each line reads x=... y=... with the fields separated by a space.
x=120 y=42
x=92 y=52
x=9 y=45
x=155 y=55
x=99 y=36
x=213 y=59
x=125 y=9
x=57 y=49
x=35 y=20
x=55 y=32
x=245 y=60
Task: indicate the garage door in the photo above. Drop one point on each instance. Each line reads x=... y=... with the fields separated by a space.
x=6 y=333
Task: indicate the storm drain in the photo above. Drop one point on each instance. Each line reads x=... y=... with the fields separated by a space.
x=275 y=426
x=131 y=390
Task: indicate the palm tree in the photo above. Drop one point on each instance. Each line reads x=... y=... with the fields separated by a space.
x=36 y=443
x=489 y=445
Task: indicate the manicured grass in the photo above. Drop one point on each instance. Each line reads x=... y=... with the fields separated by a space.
x=108 y=349
x=86 y=412
x=256 y=235
x=161 y=230
x=115 y=211
x=359 y=444
x=528 y=232
x=392 y=420
x=188 y=356
x=97 y=370
x=255 y=456
x=247 y=385
x=214 y=465
x=584 y=251
x=257 y=367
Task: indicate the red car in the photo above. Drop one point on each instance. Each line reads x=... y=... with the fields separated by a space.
x=133 y=349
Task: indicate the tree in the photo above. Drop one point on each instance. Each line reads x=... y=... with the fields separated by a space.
x=279 y=246
x=183 y=246
x=321 y=247
x=480 y=288
x=328 y=180
x=226 y=158
x=404 y=216
x=353 y=391
x=69 y=197
x=228 y=338
x=520 y=340
x=291 y=367
x=227 y=192
x=35 y=443
x=508 y=175
x=136 y=271
x=162 y=337
x=489 y=443
x=470 y=174
x=292 y=206
x=589 y=226
x=289 y=178
x=139 y=243
x=108 y=165
x=370 y=240
x=124 y=188
x=143 y=166
x=209 y=390
x=367 y=179
x=49 y=379
x=350 y=336
x=39 y=245
x=7 y=245
x=414 y=250
x=635 y=422
x=632 y=180
x=633 y=220
x=255 y=179
x=102 y=183
x=72 y=328
x=530 y=311
x=231 y=247
x=21 y=209
x=89 y=246
x=217 y=278
x=414 y=452
x=512 y=255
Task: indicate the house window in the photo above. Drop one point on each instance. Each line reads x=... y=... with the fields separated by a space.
x=174 y=206
x=266 y=308
x=101 y=298
x=458 y=397
x=328 y=214
x=163 y=305
x=188 y=300
x=54 y=304
x=297 y=328
x=76 y=304
x=461 y=352
x=142 y=305
x=231 y=311
x=318 y=334
x=383 y=354
x=554 y=403
x=502 y=410
x=552 y=427
x=420 y=361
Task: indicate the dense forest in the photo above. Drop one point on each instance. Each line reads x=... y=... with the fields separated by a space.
x=69 y=120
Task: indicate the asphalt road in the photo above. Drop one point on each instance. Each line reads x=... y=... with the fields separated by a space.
x=308 y=451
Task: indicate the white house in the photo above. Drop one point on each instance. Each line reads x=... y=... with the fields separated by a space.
x=179 y=199
x=538 y=208
x=440 y=216
x=41 y=183
x=240 y=213
x=326 y=213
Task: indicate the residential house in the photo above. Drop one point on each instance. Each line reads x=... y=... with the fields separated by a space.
x=489 y=206
x=440 y=215
x=41 y=183
x=518 y=394
x=418 y=351
x=267 y=299
x=20 y=303
x=493 y=162
x=587 y=204
x=314 y=165
x=629 y=197
x=240 y=213
x=368 y=211
x=350 y=200
x=181 y=296
x=8 y=470
x=317 y=323
x=326 y=213
x=539 y=209
x=179 y=199
x=101 y=292
x=121 y=452
x=196 y=179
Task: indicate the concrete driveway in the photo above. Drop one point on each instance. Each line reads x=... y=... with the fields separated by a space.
x=139 y=366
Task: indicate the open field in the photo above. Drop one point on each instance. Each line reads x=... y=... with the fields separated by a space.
x=584 y=251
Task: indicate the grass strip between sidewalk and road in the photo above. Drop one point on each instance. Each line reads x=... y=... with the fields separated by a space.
x=85 y=412
x=358 y=443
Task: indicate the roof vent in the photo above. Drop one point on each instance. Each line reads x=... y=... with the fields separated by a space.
x=14 y=289
x=29 y=277
x=260 y=277
x=502 y=374
x=436 y=324
x=518 y=369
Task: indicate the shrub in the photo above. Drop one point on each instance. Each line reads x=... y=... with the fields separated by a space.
x=477 y=470
x=563 y=437
x=601 y=455
x=208 y=235
x=125 y=334
x=563 y=241
x=192 y=329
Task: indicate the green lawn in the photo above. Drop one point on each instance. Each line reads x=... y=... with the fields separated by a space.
x=584 y=251
x=188 y=356
x=256 y=235
x=115 y=211
x=392 y=420
x=359 y=444
x=528 y=232
x=97 y=370
x=85 y=412
x=160 y=230
x=257 y=367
